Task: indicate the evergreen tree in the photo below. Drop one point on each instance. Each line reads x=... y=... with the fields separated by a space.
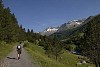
x=9 y=28
x=54 y=47
x=91 y=42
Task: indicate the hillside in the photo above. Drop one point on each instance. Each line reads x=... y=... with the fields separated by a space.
x=70 y=25
x=67 y=59
x=67 y=33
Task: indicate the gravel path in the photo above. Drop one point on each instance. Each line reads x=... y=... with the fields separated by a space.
x=12 y=61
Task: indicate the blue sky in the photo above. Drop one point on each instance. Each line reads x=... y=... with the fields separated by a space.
x=40 y=14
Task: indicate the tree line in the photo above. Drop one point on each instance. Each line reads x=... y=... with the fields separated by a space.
x=10 y=30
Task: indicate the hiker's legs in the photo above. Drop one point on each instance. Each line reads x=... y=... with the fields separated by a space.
x=18 y=56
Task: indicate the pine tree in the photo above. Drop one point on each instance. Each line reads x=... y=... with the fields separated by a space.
x=9 y=28
x=91 y=42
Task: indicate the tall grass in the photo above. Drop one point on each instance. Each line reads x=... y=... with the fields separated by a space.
x=67 y=59
x=5 y=49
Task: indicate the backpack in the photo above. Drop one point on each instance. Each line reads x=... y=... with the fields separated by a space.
x=19 y=47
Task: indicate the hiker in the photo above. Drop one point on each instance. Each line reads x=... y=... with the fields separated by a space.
x=19 y=49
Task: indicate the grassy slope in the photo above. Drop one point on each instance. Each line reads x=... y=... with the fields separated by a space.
x=39 y=56
x=5 y=49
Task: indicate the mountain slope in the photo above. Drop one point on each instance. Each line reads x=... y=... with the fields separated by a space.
x=71 y=24
x=66 y=26
x=67 y=59
x=66 y=32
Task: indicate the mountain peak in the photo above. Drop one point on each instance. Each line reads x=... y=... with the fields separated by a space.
x=71 y=24
x=50 y=30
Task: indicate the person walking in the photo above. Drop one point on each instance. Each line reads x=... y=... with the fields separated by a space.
x=19 y=49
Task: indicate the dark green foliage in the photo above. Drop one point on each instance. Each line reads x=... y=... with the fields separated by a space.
x=72 y=36
x=90 y=46
x=10 y=31
x=33 y=37
x=54 y=47
x=9 y=28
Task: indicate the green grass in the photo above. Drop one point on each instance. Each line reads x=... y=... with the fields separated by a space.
x=5 y=49
x=39 y=56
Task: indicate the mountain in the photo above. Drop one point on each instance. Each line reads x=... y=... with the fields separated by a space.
x=71 y=24
x=72 y=28
x=50 y=30
x=66 y=29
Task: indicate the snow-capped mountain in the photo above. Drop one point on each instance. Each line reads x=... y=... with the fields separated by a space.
x=50 y=30
x=71 y=24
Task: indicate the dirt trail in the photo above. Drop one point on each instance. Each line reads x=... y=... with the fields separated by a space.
x=12 y=61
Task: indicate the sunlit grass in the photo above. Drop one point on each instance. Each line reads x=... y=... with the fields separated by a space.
x=5 y=49
x=67 y=59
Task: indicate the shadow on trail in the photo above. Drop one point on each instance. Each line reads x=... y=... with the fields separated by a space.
x=12 y=58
